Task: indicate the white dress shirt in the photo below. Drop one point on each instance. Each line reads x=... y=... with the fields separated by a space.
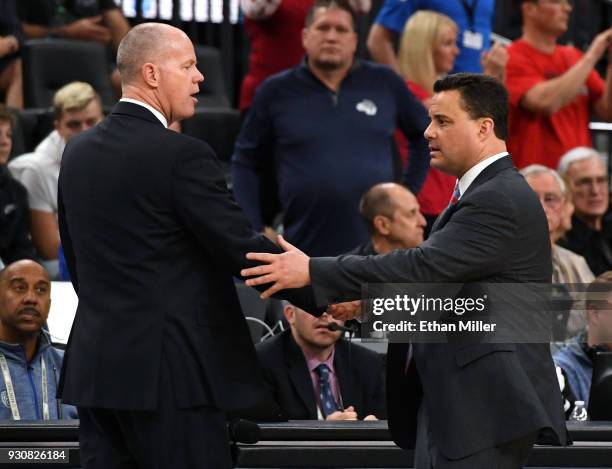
x=155 y=112
x=468 y=178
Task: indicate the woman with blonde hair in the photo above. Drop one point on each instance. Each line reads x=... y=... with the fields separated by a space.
x=428 y=49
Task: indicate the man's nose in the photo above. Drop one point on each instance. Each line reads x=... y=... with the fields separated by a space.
x=428 y=134
x=29 y=297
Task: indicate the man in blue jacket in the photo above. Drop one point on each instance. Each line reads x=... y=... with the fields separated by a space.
x=29 y=365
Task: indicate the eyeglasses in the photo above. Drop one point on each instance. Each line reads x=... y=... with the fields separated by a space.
x=551 y=200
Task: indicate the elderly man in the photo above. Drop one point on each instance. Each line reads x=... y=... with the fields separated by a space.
x=591 y=233
x=328 y=125
x=30 y=365
x=568 y=267
x=463 y=405
x=553 y=88
x=312 y=373
x=159 y=350
x=76 y=107
x=392 y=217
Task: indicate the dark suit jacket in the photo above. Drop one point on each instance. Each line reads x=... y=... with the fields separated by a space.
x=476 y=395
x=360 y=378
x=152 y=239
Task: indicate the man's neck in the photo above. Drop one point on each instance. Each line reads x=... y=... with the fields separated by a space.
x=594 y=222
x=544 y=42
x=330 y=78
x=494 y=148
x=29 y=342
x=382 y=245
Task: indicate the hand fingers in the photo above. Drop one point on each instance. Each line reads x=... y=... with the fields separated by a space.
x=370 y=417
x=271 y=291
x=262 y=257
x=258 y=270
x=285 y=245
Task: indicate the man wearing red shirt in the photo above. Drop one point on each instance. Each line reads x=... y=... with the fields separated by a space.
x=553 y=88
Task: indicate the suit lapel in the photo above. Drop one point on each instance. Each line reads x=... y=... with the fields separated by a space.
x=346 y=384
x=300 y=377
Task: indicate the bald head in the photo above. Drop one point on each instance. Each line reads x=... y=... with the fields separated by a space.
x=20 y=266
x=147 y=42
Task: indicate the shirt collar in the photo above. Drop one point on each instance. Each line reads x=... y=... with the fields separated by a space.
x=312 y=362
x=154 y=111
x=468 y=178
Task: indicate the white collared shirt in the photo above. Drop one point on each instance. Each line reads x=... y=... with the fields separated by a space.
x=155 y=112
x=468 y=178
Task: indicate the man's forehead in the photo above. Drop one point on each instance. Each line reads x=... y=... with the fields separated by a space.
x=444 y=102
x=588 y=166
x=34 y=274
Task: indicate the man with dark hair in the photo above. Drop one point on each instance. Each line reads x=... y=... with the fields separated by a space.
x=160 y=349
x=328 y=125
x=553 y=88
x=391 y=215
x=15 y=240
x=475 y=404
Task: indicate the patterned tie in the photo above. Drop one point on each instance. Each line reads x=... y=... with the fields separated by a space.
x=326 y=398
x=456 y=194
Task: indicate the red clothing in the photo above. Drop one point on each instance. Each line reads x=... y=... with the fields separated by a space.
x=276 y=44
x=538 y=138
x=438 y=187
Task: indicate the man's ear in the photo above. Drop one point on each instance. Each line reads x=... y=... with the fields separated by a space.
x=486 y=127
x=150 y=74
x=381 y=224
x=289 y=312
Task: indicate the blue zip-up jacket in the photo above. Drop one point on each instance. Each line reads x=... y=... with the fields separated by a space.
x=577 y=365
x=27 y=381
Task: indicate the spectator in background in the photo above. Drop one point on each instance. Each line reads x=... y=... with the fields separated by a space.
x=88 y=20
x=11 y=38
x=313 y=374
x=428 y=49
x=15 y=240
x=473 y=18
x=33 y=365
x=77 y=107
x=392 y=217
x=553 y=88
x=591 y=232
x=568 y=267
x=328 y=123
x=576 y=357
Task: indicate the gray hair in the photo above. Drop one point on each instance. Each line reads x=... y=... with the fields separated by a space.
x=537 y=169
x=574 y=155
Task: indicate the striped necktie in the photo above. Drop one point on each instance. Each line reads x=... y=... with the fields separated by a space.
x=456 y=194
x=326 y=398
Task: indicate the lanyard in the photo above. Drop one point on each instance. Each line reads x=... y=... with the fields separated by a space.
x=470 y=11
x=11 y=391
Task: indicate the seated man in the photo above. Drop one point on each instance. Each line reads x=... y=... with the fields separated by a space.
x=576 y=357
x=28 y=360
x=77 y=107
x=313 y=374
x=392 y=217
x=591 y=233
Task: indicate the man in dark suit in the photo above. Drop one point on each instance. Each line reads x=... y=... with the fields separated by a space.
x=293 y=365
x=159 y=348
x=476 y=405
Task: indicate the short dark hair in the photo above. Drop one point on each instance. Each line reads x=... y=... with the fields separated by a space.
x=376 y=201
x=7 y=116
x=481 y=96
x=340 y=4
x=602 y=285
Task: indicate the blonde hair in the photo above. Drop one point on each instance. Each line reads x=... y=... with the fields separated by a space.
x=421 y=32
x=73 y=97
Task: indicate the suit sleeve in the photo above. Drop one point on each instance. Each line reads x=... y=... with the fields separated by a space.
x=206 y=207
x=66 y=241
x=470 y=246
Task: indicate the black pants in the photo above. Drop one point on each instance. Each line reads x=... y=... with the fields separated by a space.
x=510 y=455
x=165 y=438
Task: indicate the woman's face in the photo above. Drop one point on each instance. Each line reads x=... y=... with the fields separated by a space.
x=6 y=141
x=445 y=50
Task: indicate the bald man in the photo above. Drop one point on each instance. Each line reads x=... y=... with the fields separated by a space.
x=159 y=349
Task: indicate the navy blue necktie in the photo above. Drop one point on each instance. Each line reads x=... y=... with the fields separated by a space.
x=326 y=398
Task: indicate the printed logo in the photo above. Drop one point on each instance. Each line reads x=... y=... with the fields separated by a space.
x=367 y=107
x=5 y=400
x=9 y=208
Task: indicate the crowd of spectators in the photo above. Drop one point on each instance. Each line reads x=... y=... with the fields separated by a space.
x=331 y=153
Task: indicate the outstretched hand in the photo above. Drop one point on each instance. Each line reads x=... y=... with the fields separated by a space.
x=345 y=311
x=287 y=270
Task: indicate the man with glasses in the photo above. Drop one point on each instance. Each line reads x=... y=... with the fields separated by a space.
x=591 y=233
x=77 y=107
x=553 y=88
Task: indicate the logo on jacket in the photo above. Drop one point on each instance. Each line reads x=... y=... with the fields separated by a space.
x=5 y=400
x=8 y=208
x=367 y=107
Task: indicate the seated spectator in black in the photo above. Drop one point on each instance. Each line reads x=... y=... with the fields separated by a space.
x=392 y=217
x=77 y=107
x=591 y=233
x=15 y=240
x=11 y=38
x=28 y=360
x=576 y=358
x=313 y=374
x=89 y=20
x=568 y=267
